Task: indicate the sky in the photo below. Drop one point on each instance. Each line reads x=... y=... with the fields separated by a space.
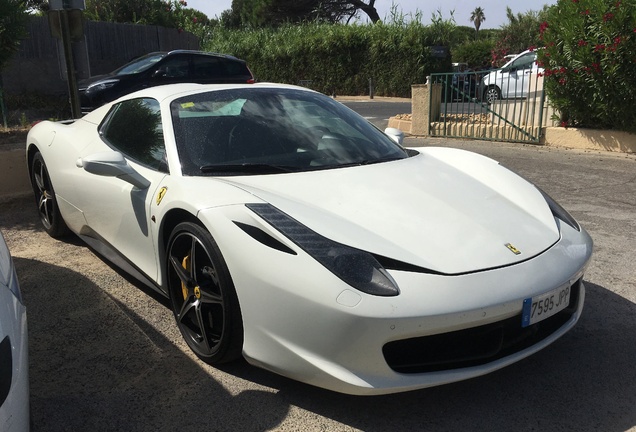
x=494 y=10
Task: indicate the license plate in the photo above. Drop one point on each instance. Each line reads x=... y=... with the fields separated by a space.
x=543 y=306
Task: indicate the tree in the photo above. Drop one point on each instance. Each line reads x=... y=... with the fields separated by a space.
x=273 y=13
x=155 y=12
x=588 y=61
x=12 y=27
x=519 y=34
x=13 y=20
x=477 y=17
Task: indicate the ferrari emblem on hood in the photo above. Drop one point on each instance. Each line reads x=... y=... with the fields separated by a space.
x=513 y=249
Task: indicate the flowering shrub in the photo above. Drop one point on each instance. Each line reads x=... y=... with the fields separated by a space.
x=590 y=62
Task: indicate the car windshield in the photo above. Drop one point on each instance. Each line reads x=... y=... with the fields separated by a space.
x=272 y=130
x=139 y=65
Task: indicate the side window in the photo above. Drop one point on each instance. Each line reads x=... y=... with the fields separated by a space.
x=175 y=67
x=134 y=128
x=526 y=61
x=207 y=67
x=236 y=68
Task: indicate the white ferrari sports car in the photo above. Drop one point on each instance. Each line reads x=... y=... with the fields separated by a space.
x=287 y=229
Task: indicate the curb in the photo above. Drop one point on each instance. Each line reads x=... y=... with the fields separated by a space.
x=582 y=139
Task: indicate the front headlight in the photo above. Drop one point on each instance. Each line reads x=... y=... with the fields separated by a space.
x=102 y=85
x=558 y=211
x=355 y=267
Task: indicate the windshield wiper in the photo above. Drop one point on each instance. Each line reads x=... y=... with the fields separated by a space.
x=367 y=162
x=250 y=168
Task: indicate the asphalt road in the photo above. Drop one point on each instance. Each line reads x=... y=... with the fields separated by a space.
x=106 y=355
x=378 y=111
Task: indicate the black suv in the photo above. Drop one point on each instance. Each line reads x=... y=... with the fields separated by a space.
x=160 y=68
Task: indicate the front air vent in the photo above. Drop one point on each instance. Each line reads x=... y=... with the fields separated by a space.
x=262 y=237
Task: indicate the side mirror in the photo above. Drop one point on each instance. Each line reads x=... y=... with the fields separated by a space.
x=112 y=164
x=395 y=134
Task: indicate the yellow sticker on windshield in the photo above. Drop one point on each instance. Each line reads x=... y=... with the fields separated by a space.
x=187 y=105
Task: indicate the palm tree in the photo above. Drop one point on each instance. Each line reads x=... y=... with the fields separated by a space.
x=477 y=17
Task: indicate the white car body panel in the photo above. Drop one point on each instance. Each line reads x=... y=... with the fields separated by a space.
x=446 y=215
x=14 y=410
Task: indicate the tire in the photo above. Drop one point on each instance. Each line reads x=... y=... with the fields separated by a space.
x=45 y=199
x=491 y=94
x=202 y=295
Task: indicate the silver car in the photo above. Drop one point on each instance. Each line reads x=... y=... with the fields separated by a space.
x=513 y=79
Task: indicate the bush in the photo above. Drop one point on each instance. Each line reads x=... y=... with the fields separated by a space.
x=337 y=59
x=590 y=62
x=475 y=53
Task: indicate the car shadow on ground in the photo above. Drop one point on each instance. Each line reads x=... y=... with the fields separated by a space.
x=92 y=368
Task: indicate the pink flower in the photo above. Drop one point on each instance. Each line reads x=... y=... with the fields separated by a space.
x=608 y=16
x=582 y=43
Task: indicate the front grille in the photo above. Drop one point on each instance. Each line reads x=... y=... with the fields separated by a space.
x=474 y=346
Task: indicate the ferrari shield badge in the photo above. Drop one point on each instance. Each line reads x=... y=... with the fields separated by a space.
x=161 y=194
x=513 y=249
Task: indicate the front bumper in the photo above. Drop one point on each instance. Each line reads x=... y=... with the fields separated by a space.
x=303 y=322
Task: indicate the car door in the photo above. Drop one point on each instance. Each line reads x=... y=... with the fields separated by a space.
x=518 y=75
x=116 y=212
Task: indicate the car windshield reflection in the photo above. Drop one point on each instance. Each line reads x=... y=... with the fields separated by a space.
x=267 y=131
x=139 y=65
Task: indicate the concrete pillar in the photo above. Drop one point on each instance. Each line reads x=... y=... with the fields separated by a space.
x=425 y=106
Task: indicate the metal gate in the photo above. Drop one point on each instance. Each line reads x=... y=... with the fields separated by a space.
x=497 y=105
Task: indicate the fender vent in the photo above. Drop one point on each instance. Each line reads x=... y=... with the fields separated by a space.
x=262 y=237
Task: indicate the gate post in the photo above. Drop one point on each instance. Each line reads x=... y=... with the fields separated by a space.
x=425 y=104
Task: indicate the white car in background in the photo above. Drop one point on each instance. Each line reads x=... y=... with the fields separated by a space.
x=513 y=79
x=14 y=363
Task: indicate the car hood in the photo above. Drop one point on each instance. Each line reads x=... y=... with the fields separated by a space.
x=446 y=210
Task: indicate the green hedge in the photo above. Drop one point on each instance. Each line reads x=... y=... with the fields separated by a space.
x=590 y=62
x=337 y=59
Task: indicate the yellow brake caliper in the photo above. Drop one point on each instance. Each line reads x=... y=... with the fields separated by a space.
x=184 y=289
x=186 y=265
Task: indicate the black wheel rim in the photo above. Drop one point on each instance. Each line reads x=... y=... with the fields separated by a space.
x=43 y=193
x=196 y=294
